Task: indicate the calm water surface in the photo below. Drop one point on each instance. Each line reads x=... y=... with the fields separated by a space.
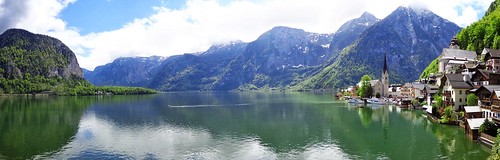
x=222 y=126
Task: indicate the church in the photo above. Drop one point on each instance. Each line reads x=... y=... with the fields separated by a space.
x=381 y=85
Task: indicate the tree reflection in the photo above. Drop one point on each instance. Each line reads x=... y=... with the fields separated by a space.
x=31 y=126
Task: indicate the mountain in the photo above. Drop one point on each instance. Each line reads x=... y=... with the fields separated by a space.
x=411 y=38
x=33 y=63
x=286 y=57
x=48 y=57
x=129 y=71
x=196 y=72
x=351 y=31
x=278 y=58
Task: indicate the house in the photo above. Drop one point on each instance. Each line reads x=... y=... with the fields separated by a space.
x=472 y=127
x=483 y=94
x=455 y=88
x=417 y=90
x=353 y=90
x=430 y=90
x=376 y=86
x=475 y=116
x=495 y=106
x=473 y=112
x=492 y=59
x=485 y=77
x=452 y=59
x=406 y=90
x=395 y=90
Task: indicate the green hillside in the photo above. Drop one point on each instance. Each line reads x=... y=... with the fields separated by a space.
x=484 y=33
x=32 y=63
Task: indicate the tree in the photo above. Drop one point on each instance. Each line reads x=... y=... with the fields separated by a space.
x=366 y=89
x=495 y=150
x=488 y=127
x=472 y=100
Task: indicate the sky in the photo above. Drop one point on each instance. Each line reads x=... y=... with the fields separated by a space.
x=99 y=31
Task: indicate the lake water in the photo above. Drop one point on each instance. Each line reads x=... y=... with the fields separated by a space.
x=222 y=126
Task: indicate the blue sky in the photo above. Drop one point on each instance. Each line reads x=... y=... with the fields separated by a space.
x=105 y=15
x=99 y=31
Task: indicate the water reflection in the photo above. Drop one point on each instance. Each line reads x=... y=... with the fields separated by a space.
x=31 y=126
x=235 y=126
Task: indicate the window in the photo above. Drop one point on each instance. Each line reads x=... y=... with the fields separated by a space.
x=460 y=92
x=460 y=100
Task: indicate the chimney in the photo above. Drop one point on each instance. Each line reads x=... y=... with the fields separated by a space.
x=466 y=77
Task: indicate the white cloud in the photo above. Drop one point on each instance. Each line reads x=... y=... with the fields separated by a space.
x=205 y=22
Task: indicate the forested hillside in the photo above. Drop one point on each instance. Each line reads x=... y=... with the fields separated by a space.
x=484 y=33
x=32 y=63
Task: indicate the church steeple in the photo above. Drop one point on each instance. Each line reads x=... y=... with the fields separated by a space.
x=385 y=78
x=385 y=63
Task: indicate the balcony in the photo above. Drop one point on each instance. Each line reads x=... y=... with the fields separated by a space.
x=496 y=120
x=446 y=94
x=495 y=108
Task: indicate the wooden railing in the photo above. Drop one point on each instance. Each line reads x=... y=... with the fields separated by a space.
x=486 y=107
x=495 y=102
x=487 y=136
x=485 y=101
x=495 y=108
x=496 y=120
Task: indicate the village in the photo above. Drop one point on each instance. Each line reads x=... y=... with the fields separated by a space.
x=465 y=92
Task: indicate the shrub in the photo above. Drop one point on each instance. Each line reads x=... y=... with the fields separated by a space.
x=472 y=100
x=488 y=127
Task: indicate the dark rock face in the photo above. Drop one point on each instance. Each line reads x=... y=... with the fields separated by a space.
x=130 y=71
x=23 y=53
x=351 y=31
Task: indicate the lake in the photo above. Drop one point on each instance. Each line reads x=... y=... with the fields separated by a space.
x=222 y=126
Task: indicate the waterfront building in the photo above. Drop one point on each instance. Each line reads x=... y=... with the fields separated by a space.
x=455 y=89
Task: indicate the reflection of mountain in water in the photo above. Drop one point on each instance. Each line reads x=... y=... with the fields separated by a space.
x=32 y=126
x=268 y=126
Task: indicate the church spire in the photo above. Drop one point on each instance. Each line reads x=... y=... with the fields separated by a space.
x=385 y=63
x=385 y=78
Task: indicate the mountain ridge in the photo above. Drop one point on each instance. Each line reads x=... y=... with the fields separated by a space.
x=411 y=40
x=285 y=57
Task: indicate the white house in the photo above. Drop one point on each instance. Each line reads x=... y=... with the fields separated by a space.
x=455 y=89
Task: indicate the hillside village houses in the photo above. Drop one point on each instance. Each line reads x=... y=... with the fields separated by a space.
x=460 y=72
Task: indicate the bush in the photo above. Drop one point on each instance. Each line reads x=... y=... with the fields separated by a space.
x=488 y=127
x=472 y=100
x=448 y=115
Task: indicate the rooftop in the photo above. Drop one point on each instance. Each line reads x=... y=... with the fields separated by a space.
x=492 y=53
x=458 y=54
x=472 y=109
x=457 y=82
x=475 y=123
